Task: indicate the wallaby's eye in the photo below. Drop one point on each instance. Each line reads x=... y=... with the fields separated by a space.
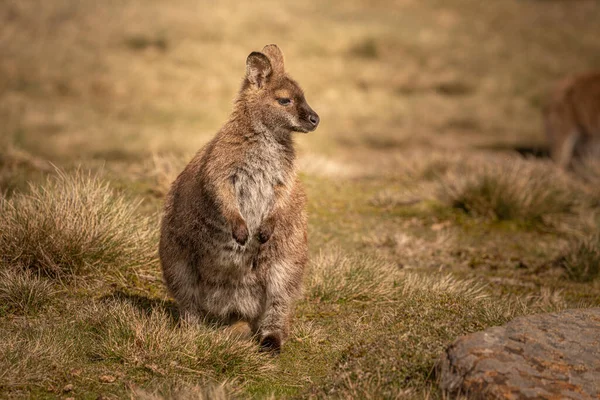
x=284 y=102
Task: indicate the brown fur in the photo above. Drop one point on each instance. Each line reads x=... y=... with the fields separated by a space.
x=233 y=243
x=573 y=119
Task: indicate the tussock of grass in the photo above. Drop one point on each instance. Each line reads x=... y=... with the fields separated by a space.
x=582 y=261
x=152 y=341
x=588 y=170
x=453 y=88
x=365 y=48
x=514 y=189
x=337 y=278
x=23 y=292
x=468 y=289
x=143 y=42
x=73 y=223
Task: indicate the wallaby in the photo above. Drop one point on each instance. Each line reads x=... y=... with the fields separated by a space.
x=572 y=119
x=233 y=243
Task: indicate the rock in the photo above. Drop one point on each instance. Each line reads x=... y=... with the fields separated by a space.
x=544 y=356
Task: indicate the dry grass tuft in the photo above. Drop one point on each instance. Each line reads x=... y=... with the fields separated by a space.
x=71 y=224
x=511 y=189
x=23 y=292
x=466 y=289
x=582 y=261
x=153 y=341
x=144 y=42
x=338 y=278
x=588 y=170
x=365 y=48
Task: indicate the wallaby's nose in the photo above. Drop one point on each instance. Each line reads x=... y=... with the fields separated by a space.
x=314 y=119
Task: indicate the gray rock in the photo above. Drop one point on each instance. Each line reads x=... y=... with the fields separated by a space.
x=544 y=356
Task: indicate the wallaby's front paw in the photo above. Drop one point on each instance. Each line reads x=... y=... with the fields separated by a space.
x=265 y=231
x=271 y=343
x=239 y=231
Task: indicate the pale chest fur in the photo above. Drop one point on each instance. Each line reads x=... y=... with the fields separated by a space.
x=261 y=170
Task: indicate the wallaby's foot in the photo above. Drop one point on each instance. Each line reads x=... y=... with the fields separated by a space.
x=240 y=330
x=271 y=343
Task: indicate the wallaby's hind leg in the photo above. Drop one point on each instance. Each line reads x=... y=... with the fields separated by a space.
x=562 y=133
x=566 y=149
x=274 y=327
x=283 y=278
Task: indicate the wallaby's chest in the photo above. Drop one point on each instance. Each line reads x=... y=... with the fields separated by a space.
x=254 y=181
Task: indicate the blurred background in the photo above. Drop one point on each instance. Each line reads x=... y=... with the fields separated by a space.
x=121 y=80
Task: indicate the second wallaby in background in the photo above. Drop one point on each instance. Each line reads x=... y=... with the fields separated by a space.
x=233 y=243
x=572 y=119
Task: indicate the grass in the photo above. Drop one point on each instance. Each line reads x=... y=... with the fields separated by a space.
x=188 y=392
x=582 y=260
x=73 y=224
x=23 y=293
x=33 y=356
x=337 y=278
x=142 y=42
x=366 y=48
x=424 y=223
x=153 y=341
x=512 y=190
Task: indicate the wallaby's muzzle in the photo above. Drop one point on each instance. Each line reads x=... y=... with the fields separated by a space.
x=309 y=119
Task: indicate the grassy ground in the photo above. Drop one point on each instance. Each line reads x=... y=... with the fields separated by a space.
x=426 y=221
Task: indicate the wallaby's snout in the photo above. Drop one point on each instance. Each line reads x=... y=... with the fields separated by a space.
x=308 y=118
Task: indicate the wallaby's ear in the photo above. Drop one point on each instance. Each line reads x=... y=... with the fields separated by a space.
x=258 y=68
x=275 y=56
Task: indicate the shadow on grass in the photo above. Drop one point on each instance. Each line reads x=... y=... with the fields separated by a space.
x=533 y=151
x=526 y=150
x=145 y=304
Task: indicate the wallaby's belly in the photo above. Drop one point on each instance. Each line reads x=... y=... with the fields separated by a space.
x=243 y=297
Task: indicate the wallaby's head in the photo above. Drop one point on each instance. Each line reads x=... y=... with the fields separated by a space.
x=273 y=98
